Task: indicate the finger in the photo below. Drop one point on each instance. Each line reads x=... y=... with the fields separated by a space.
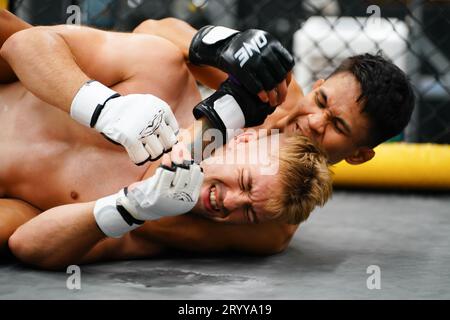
x=166 y=136
x=274 y=66
x=164 y=179
x=273 y=98
x=171 y=121
x=137 y=152
x=180 y=153
x=181 y=180
x=265 y=75
x=251 y=82
x=196 y=181
x=282 y=91
x=166 y=160
x=285 y=58
x=153 y=146
x=263 y=96
x=289 y=78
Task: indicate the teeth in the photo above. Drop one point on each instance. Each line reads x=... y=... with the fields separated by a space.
x=212 y=198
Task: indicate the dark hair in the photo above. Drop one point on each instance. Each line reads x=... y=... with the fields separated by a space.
x=387 y=97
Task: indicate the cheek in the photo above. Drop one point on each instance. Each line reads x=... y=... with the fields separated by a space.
x=336 y=145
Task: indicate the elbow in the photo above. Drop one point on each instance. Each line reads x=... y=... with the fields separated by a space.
x=276 y=247
x=148 y=26
x=151 y=26
x=279 y=242
x=27 y=250
x=19 y=43
x=13 y=44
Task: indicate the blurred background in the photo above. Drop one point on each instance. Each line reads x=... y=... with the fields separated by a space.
x=320 y=33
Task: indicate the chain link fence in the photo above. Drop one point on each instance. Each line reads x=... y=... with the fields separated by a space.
x=320 y=33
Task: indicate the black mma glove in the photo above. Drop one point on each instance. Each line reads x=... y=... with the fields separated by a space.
x=232 y=107
x=255 y=58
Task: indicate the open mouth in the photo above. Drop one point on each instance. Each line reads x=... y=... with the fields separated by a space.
x=211 y=201
x=213 y=198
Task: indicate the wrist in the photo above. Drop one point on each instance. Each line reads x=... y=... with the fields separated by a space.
x=207 y=44
x=112 y=219
x=90 y=101
x=223 y=113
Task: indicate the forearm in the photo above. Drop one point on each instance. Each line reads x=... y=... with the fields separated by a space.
x=181 y=33
x=58 y=237
x=43 y=62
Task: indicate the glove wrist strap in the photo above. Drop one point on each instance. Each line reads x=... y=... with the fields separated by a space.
x=114 y=221
x=90 y=101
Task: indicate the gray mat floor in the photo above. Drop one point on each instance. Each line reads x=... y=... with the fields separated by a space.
x=406 y=236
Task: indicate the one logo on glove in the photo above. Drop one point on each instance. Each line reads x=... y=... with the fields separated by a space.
x=182 y=196
x=152 y=125
x=247 y=49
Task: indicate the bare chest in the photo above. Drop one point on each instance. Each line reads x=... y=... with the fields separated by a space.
x=47 y=159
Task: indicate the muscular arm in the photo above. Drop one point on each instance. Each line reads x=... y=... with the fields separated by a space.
x=13 y=213
x=196 y=234
x=69 y=235
x=54 y=62
x=181 y=33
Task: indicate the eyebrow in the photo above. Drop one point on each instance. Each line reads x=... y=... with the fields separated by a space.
x=343 y=123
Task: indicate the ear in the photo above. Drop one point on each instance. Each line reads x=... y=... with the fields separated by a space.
x=318 y=83
x=361 y=155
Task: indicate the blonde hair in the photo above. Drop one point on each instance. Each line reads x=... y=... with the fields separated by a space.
x=306 y=180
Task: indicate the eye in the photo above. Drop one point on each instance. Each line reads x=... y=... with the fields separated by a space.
x=250 y=214
x=319 y=104
x=337 y=128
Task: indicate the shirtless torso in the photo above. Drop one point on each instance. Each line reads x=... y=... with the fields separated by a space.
x=48 y=160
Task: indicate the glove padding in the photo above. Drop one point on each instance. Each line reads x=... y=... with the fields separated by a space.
x=232 y=107
x=142 y=123
x=254 y=57
x=169 y=192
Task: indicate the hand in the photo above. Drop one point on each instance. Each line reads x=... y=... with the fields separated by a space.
x=142 y=123
x=174 y=189
x=170 y=191
x=232 y=107
x=253 y=57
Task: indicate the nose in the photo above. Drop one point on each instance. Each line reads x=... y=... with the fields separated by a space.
x=317 y=122
x=235 y=200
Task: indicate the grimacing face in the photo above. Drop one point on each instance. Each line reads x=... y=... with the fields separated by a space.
x=236 y=191
x=331 y=116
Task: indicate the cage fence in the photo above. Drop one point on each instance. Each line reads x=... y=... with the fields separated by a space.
x=413 y=34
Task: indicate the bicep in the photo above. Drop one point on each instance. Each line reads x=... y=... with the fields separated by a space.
x=191 y=233
x=108 y=57
x=129 y=246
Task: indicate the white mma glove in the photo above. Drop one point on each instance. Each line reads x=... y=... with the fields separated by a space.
x=142 y=123
x=169 y=192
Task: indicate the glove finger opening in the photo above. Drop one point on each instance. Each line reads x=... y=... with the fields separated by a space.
x=286 y=59
x=182 y=179
x=274 y=67
x=137 y=152
x=166 y=136
x=153 y=146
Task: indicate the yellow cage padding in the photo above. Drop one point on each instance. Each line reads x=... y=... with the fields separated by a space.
x=399 y=165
